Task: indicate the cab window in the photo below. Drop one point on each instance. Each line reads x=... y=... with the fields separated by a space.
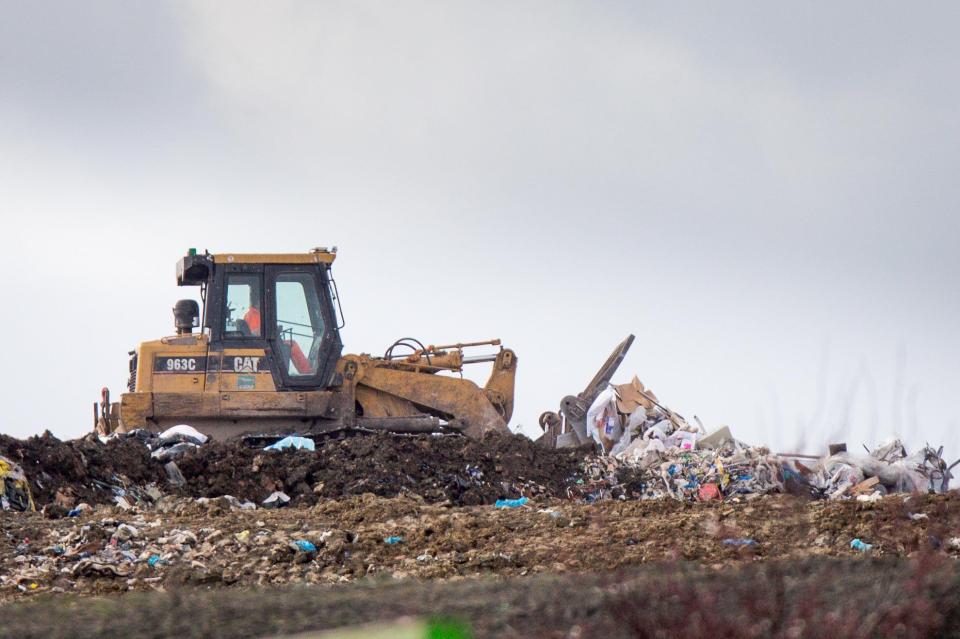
x=300 y=325
x=242 y=316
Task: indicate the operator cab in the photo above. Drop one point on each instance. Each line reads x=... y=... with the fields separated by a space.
x=285 y=305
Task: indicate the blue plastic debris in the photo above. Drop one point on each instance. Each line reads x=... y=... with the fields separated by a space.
x=862 y=546
x=292 y=442
x=306 y=546
x=74 y=513
x=396 y=539
x=155 y=560
x=745 y=541
x=511 y=503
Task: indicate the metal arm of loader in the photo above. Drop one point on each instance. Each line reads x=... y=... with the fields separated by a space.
x=407 y=385
x=573 y=408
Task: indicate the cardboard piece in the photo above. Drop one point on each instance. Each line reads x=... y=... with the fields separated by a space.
x=866 y=486
x=633 y=395
x=716 y=438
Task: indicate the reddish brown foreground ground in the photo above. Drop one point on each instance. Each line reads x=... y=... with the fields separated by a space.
x=551 y=568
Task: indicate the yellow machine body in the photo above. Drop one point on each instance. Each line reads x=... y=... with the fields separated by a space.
x=236 y=377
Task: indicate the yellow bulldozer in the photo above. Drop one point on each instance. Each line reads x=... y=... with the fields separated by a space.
x=267 y=360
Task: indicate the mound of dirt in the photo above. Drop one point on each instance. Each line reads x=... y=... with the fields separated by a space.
x=456 y=469
x=81 y=470
x=450 y=469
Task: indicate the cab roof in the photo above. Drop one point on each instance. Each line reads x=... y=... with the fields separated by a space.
x=195 y=270
x=316 y=256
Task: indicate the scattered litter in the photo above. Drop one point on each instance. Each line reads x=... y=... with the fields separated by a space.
x=745 y=541
x=172 y=451
x=125 y=532
x=173 y=473
x=182 y=433
x=708 y=492
x=716 y=438
x=511 y=503
x=276 y=500
x=395 y=539
x=79 y=510
x=862 y=546
x=296 y=443
x=171 y=443
x=305 y=546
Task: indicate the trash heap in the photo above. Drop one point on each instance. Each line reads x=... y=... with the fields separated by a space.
x=883 y=470
x=651 y=452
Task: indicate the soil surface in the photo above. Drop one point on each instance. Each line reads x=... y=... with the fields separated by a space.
x=449 y=468
x=456 y=469
x=382 y=527
x=206 y=543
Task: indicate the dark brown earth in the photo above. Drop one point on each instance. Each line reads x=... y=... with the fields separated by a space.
x=82 y=469
x=450 y=468
x=456 y=469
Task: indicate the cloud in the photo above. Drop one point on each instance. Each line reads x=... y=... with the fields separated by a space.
x=732 y=184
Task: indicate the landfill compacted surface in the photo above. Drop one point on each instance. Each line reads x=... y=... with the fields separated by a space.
x=379 y=528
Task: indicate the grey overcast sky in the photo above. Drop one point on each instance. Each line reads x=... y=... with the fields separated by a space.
x=765 y=193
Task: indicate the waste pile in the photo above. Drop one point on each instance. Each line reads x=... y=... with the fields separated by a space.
x=885 y=469
x=651 y=452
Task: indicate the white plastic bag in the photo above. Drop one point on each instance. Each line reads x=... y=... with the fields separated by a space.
x=603 y=421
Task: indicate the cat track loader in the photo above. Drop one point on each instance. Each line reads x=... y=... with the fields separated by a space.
x=267 y=360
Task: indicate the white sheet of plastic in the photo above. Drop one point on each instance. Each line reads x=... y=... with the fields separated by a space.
x=897 y=477
x=182 y=430
x=605 y=401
